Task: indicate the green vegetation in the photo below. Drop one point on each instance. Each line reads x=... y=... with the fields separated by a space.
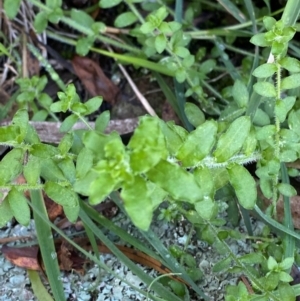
x=250 y=116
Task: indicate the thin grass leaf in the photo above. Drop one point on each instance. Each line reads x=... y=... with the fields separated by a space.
x=288 y=241
x=38 y=287
x=232 y=9
x=46 y=244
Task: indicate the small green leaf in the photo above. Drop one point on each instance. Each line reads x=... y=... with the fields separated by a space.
x=67 y=166
x=43 y=150
x=109 y=3
x=68 y=123
x=102 y=121
x=40 y=21
x=233 y=139
x=137 y=196
x=84 y=162
x=50 y=170
x=293 y=121
x=174 y=136
x=287 y=189
x=287 y=263
x=147 y=145
x=181 y=51
x=265 y=89
x=32 y=170
x=224 y=264
x=64 y=196
x=6 y=213
x=93 y=104
x=290 y=64
x=194 y=114
x=83 y=45
x=9 y=133
x=269 y=22
x=206 y=208
x=147 y=27
x=207 y=66
x=265 y=70
x=101 y=187
x=81 y=17
x=11 y=165
x=205 y=180
x=19 y=206
x=240 y=94
x=252 y=258
x=198 y=144
x=286 y=292
x=125 y=19
x=11 y=8
x=280 y=110
x=272 y=264
x=65 y=143
x=244 y=185
x=160 y=43
x=180 y=75
x=21 y=119
x=259 y=40
x=291 y=82
x=173 y=179
x=72 y=212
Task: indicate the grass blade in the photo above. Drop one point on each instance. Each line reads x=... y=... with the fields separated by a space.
x=46 y=244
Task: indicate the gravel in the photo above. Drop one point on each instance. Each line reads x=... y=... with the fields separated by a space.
x=97 y=285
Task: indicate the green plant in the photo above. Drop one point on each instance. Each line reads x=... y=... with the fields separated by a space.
x=164 y=162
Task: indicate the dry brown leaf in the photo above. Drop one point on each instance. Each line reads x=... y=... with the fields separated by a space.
x=69 y=258
x=94 y=79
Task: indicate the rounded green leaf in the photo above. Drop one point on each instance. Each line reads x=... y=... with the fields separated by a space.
x=43 y=150
x=147 y=145
x=291 y=82
x=160 y=43
x=19 y=206
x=259 y=40
x=135 y=197
x=102 y=121
x=224 y=264
x=175 y=180
x=66 y=143
x=64 y=196
x=265 y=70
x=125 y=19
x=265 y=89
x=32 y=170
x=194 y=114
x=287 y=189
x=72 y=212
x=198 y=144
x=207 y=208
x=6 y=213
x=11 y=165
x=181 y=51
x=84 y=162
x=290 y=64
x=280 y=110
x=240 y=94
x=93 y=104
x=11 y=8
x=244 y=185
x=233 y=139
x=40 y=21
x=81 y=17
x=101 y=187
x=109 y=3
